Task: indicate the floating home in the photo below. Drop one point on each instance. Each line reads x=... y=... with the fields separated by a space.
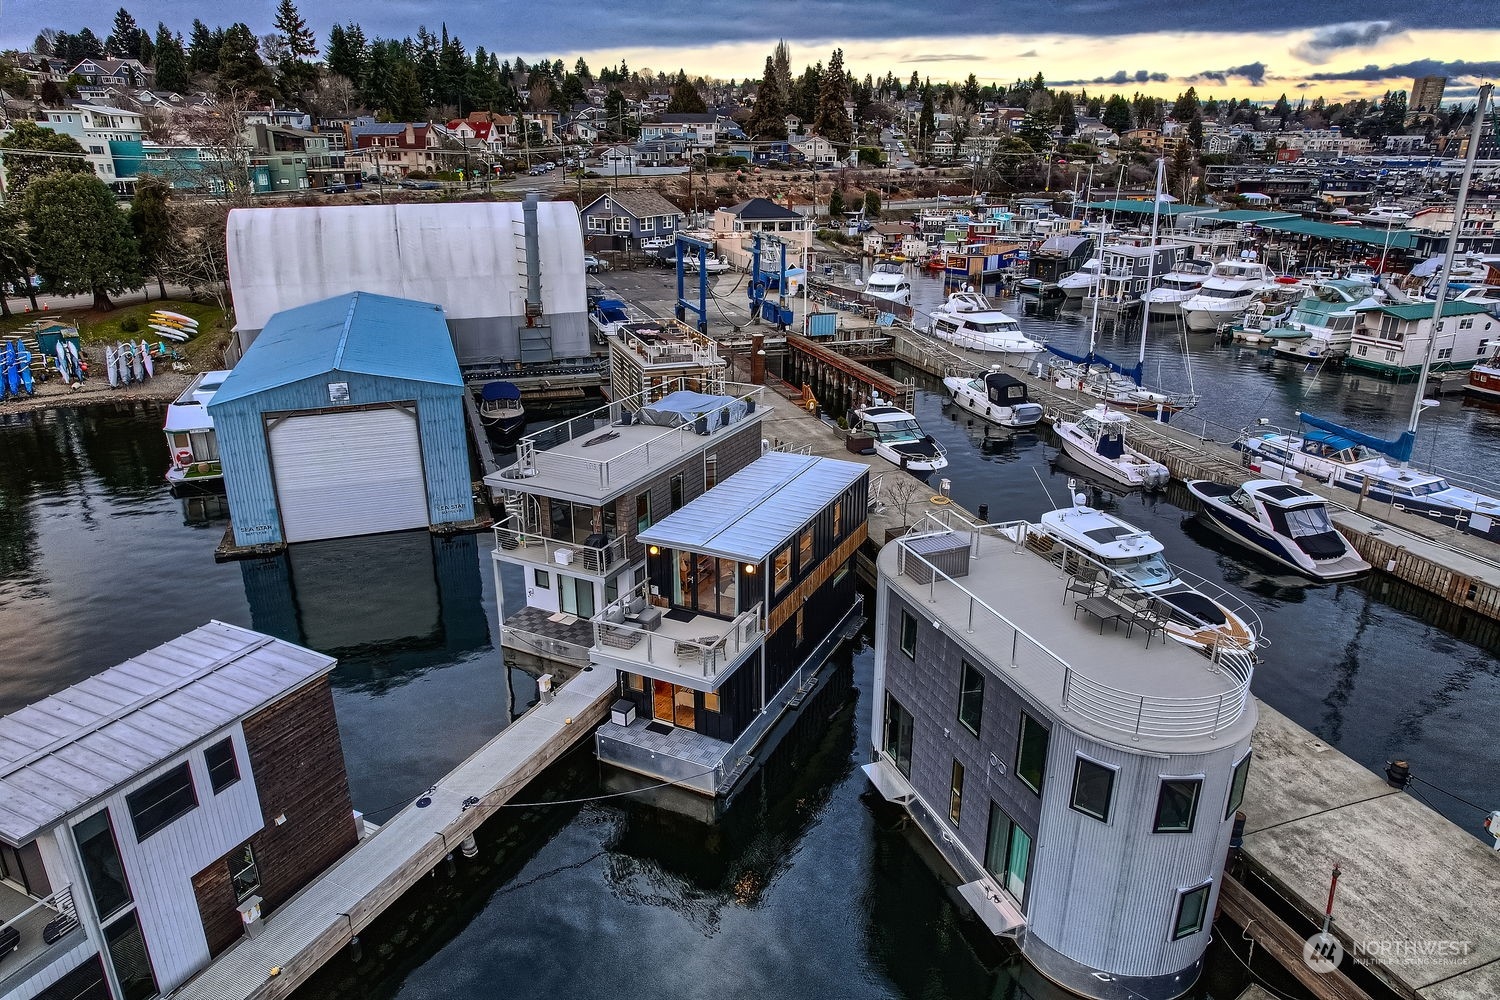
x=345 y=417
x=155 y=813
x=190 y=434
x=648 y=359
x=1081 y=780
x=747 y=591
x=581 y=492
x=1392 y=340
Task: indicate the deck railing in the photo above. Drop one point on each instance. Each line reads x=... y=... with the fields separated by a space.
x=39 y=926
x=536 y=548
x=724 y=643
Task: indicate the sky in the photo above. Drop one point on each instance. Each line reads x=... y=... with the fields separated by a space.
x=1251 y=48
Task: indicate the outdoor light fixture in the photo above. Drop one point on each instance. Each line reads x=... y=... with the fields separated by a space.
x=654 y=550
x=750 y=569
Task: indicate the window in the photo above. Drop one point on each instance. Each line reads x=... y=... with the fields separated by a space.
x=127 y=953
x=101 y=864
x=710 y=472
x=970 y=697
x=1177 y=805
x=898 y=727
x=909 y=634
x=1007 y=853
x=1237 y=786
x=598 y=224
x=223 y=769
x=244 y=874
x=711 y=701
x=542 y=578
x=1445 y=352
x=956 y=793
x=648 y=224
x=622 y=224
x=1484 y=347
x=1031 y=753
x=677 y=492
x=1093 y=786
x=1466 y=324
x=642 y=512
x=635 y=682
x=1192 y=907
x=162 y=800
x=782 y=569
x=805 y=551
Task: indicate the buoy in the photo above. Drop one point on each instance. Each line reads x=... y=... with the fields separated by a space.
x=469 y=847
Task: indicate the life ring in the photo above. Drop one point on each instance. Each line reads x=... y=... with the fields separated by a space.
x=183 y=457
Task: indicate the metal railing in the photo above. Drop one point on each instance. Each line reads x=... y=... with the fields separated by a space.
x=536 y=548
x=1112 y=707
x=680 y=344
x=706 y=655
x=46 y=921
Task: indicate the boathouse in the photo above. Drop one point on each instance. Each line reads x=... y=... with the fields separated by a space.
x=344 y=418
x=155 y=813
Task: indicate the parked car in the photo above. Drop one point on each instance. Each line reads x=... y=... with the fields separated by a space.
x=593 y=264
x=412 y=185
x=536 y=171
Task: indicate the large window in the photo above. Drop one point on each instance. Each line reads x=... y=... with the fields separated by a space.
x=162 y=800
x=1031 y=753
x=1177 y=805
x=223 y=769
x=127 y=952
x=677 y=491
x=1093 y=786
x=1237 y=786
x=101 y=864
x=898 y=726
x=956 y=793
x=642 y=512
x=1007 y=853
x=970 y=698
x=244 y=873
x=782 y=569
x=1192 y=909
x=909 y=634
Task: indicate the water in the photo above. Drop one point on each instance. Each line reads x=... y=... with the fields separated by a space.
x=808 y=888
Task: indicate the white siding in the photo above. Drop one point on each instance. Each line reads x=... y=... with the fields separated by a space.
x=60 y=966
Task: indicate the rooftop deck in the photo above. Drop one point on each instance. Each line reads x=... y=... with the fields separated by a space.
x=666 y=345
x=694 y=650
x=47 y=927
x=1106 y=682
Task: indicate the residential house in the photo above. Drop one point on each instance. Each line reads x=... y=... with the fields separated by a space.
x=734 y=229
x=296 y=159
x=793 y=124
x=110 y=137
x=815 y=150
x=118 y=72
x=155 y=813
x=619 y=159
x=546 y=121
x=394 y=149
x=627 y=218
x=771 y=151
x=700 y=131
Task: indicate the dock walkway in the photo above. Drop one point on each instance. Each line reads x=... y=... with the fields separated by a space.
x=302 y=934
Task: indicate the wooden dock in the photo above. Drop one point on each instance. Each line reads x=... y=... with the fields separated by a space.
x=324 y=917
x=1258 y=923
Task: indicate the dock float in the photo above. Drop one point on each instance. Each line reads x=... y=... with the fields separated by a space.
x=303 y=934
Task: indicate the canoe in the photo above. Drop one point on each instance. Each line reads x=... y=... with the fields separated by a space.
x=179 y=317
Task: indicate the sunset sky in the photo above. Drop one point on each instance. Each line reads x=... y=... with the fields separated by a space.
x=1254 y=48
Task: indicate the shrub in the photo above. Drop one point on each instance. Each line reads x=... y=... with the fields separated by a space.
x=130 y=324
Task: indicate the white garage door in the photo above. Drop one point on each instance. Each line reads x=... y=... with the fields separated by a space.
x=351 y=473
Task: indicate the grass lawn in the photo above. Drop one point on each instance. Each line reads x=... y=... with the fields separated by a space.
x=204 y=350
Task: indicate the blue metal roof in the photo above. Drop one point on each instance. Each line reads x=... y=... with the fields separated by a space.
x=758 y=509
x=357 y=332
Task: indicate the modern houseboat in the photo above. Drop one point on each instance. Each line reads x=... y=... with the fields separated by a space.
x=746 y=592
x=970 y=320
x=898 y=438
x=1282 y=522
x=190 y=434
x=1321 y=324
x=581 y=492
x=1392 y=340
x=1077 y=779
x=649 y=359
x=996 y=397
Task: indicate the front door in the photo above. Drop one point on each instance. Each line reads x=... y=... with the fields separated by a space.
x=575 y=596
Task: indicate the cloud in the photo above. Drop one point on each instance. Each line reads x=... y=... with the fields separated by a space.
x=937 y=57
x=1118 y=79
x=1323 y=42
x=1421 y=67
x=1254 y=73
x=1028 y=54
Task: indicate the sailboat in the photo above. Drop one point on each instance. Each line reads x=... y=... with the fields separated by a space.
x=1374 y=467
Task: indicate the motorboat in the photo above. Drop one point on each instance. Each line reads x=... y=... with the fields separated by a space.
x=898 y=438
x=995 y=396
x=889 y=281
x=1485 y=295
x=1227 y=292
x=191 y=441
x=1097 y=440
x=1128 y=562
x=608 y=316
x=711 y=264
x=1082 y=281
x=1282 y=522
x=968 y=319
x=500 y=407
x=1484 y=378
x=1322 y=322
x=1384 y=215
x=1176 y=287
x=1361 y=464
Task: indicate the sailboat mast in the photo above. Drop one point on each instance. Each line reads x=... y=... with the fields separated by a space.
x=1151 y=258
x=1450 y=253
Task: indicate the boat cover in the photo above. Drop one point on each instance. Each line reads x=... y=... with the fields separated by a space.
x=1094 y=358
x=686 y=407
x=1399 y=448
x=494 y=391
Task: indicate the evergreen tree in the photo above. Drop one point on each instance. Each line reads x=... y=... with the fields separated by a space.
x=805 y=93
x=1187 y=106
x=781 y=59
x=615 y=116
x=872 y=203
x=240 y=65
x=171 y=61
x=1195 y=132
x=1117 y=115
x=124 y=40
x=346 y=53
x=89 y=246
x=685 y=98
x=969 y=93
x=300 y=42
x=581 y=70
x=203 y=49
x=836 y=207
x=406 y=101
x=453 y=73
x=1065 y=114
x=831 y=121
x=86 y=45
x=1281 y=109
x=151 y=221
x=16 y=256
x=927 y=120
x=768 y=119
x=21 y=171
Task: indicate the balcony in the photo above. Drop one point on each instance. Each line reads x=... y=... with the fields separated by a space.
x=514 y=545
x=693 y=650
x=40 y=930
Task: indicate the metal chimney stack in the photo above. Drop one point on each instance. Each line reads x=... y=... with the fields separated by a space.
x=533 y=259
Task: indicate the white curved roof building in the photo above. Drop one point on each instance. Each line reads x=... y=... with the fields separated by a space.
x=468 y=257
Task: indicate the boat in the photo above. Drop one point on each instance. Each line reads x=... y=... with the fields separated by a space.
x=1227 y=292
x=889 y=282
x=1118 y=390
x=176 y=317
x=1282 y=522
x=500 y=407
x=968 y=319
x=1484 y=378
x=191 y=442
x=1082 y=281
x=1484 y=295
x=712 y=264
x=1176 y=287
x=1132 y=562
x=1384 y=215
x=1361 y=464
x=996 y=397
x=608 y=316
x=1097 y=440
x=898 y=438
x=1322 y=322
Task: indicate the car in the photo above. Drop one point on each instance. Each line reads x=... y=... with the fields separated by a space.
x=593 y=264
x=536 y=171
x=412 y=185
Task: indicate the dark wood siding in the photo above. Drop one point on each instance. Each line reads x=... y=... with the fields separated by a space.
x=217 y=908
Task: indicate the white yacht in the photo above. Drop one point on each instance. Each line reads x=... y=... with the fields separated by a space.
x=889 y=281
x=1485 y=295
x=1284 y=523
x=1096 y=440
x=970 y=320
x=1082 y=281
x=1115 y=389
x=1176 y=287
x=1384 y=215
x=898 y=438
x=1226 y=293
x=712 y=264
x=996 y=397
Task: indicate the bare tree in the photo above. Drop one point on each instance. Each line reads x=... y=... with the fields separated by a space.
x=335 y=93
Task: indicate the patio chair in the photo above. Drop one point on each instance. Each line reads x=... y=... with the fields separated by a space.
x=1149 y=618
x=1084 y=583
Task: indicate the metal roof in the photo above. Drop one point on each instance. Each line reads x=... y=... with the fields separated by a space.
x=358 y=332
x=1251 y=215
x=1423 y=310
x=69 y=750
x=1145 y=207
x=758 y=509
x=1395 y=238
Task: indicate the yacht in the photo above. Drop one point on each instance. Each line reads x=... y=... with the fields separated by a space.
x=1321 y=324
x=996 y=397
x=1484 y=295
x=190 y=433
x=889 y=281
x=608 y=316
x=712 y=264
x=1176 y=287
x=1096 y=440
x=1384 y=215
x=1284 y=523
x=898 y=438
x=1082 y=281
x=1226 y=293
x=970 y=320
x=1131 y=563
x=1115 y=389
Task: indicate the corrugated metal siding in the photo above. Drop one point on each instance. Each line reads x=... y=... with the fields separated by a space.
x=239 y=425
